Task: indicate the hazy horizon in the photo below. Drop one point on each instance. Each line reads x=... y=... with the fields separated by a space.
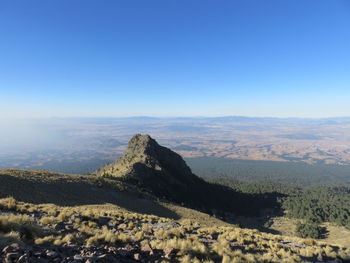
x=169 y=117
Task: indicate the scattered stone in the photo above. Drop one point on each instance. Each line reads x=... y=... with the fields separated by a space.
x=137 y=256
x=38 y=253
x=102 y=256
x=22 y=259
x=51 y=254
x=78 y=257
x=168 y=251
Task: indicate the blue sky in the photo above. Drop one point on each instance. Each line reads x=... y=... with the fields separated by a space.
x=174 y=58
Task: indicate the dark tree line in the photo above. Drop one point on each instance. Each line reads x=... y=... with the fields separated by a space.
x=315 y=204
x=295 y=173
x=320 y=204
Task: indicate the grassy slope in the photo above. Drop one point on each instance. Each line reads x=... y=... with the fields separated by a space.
x=75 y=190
x=191 y=241
x=81 y=193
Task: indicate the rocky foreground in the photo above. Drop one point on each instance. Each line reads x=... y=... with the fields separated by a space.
x=74 y=253
x=72 y=248
x=48 y=233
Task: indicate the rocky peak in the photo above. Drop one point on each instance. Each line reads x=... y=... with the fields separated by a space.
x=141 y=144
x=143 y=150
x=152 y=166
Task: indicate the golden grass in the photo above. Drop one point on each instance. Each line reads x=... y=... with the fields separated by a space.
x=191 y=241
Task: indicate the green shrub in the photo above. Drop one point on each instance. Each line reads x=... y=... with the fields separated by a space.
x=309 y=230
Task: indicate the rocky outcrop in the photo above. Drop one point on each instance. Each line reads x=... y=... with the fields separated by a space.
x=155 y=168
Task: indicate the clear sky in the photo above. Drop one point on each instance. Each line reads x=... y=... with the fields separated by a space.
x=174 y=58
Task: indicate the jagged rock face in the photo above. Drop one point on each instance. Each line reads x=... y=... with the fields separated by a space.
x=154 y=167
